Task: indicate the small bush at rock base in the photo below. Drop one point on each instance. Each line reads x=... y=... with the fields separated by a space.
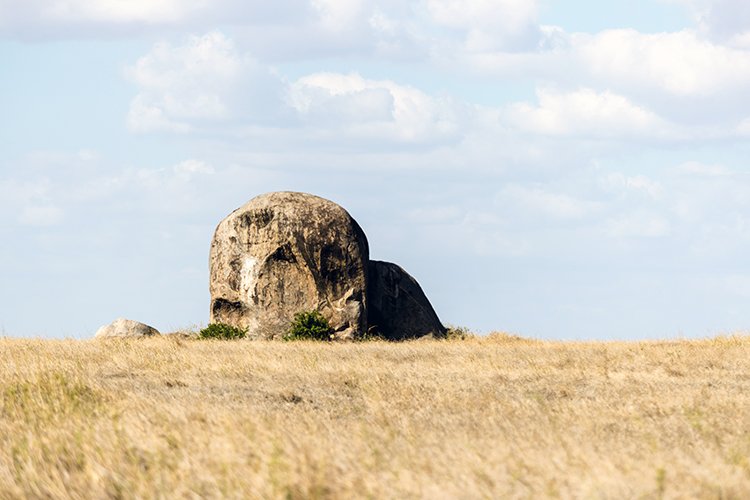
x=309 y=325
x=457 y=333
x=222 y=331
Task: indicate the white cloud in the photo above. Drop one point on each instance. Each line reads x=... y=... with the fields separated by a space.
x=146 y=116
x=488 y=24
x=185 y=171
x=537 y=200
x=627 y=184
x=112 y=18
x=340 y=15
x=100 y=11
x=54 y=183
x=207 y=81
x=741 y=40
x=682 y=75
x=722 y=19
x=679 y=63
x=380 y=108
x=639 y=224
x=585 y=112
x=29 y=202
x=173 y=184
x=204 y=80
x=294 y=28
x=342 y=98
x=509 y=15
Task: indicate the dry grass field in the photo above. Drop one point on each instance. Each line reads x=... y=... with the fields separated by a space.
x=495 y=417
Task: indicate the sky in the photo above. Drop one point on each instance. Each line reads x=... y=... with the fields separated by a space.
x=557 y=169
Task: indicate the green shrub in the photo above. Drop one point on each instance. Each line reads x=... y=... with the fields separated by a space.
x=309 y=325
x=222 y=331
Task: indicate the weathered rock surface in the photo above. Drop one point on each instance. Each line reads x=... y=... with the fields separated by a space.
x=397 y=307
x=283 y=253
x=122 y=327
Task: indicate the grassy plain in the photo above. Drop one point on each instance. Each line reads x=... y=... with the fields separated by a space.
x=495 y=417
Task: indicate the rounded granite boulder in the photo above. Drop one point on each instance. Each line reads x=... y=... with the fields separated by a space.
x=283 y=253
x=125 y=328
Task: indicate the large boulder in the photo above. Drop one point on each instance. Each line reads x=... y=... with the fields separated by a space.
x=284 y=253
x=121 y=328
x=397 y=307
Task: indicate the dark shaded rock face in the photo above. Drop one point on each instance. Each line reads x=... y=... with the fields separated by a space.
x=283 y=253
x=397 y=307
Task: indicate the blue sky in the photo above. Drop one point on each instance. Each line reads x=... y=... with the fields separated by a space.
x=561 y=170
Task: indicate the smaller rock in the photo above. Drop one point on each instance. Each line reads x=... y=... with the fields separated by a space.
x=125 y=328
x=397 y=307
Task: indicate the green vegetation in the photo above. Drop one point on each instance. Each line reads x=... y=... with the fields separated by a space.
x=309 y=325
x=222 y=331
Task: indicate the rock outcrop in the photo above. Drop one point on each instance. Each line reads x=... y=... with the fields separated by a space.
x=397 y=307
x=283 y=253
x=122 y=328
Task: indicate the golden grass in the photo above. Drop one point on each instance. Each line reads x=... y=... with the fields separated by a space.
x=493 y=417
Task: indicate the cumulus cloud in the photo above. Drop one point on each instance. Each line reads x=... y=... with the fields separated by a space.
x=726 y=20
x=340 y=15
x=680 y=63
x=382 y=108
x=502 y=38
x=145 y=115
x=206 y=79
x=587 y=113
x=208 y=82
x=683 y=77
x=489 y=24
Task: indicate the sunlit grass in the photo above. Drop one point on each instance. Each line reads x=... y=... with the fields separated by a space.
x=473 y=418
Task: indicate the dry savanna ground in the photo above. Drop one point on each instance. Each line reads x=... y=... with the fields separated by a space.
x=494 y=417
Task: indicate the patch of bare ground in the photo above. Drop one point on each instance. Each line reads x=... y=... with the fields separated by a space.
x=493 y=417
